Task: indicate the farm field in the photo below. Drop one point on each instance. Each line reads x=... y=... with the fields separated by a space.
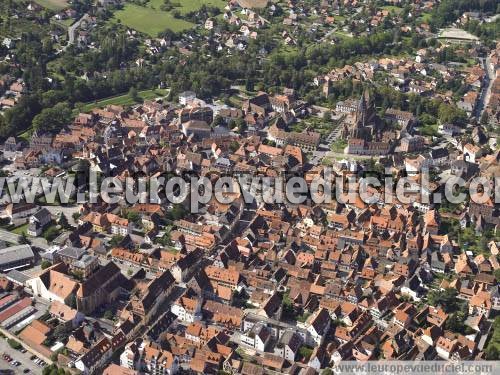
x=151 y=20
x=53 y=4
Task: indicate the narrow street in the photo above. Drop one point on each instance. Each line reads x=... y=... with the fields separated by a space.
x=486 y=90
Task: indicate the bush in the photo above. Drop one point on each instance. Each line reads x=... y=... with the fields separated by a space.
x=14 y=344
x=51 y=234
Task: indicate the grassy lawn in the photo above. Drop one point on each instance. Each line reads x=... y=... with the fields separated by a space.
x=68 y=22
x=339 y=145
x=53 y=4
x=342 y=34
x=125 y=99
x=148 y=20
x=152 y=20
x=20 y=229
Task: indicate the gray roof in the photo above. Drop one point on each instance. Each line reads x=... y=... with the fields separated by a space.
x=84 y=261
x=72 y=252
x=41 y=213
x=17 y=276
x=15 y=253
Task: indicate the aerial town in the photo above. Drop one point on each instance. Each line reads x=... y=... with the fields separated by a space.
x=264 y=88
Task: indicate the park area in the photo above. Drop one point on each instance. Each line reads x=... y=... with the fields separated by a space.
x=151 y=20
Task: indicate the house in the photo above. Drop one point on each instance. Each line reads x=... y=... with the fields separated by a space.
x=95 y=358
x=183 y=267
x=186 y=97
x=288 y=345
x=439 y=156
x=146 y=301
x=158 y=361
x=114 y=369
x=471 y=152
x=188 y=307
x=257 y=337
x=119 y=226
x=197 y=129
x=223 y=277
x=318 y=358
x=404 y=314
x=318 y=325
x=209 y=25
x=480 y=304
x=38 y=222
x=18 y=213
x=71 y=318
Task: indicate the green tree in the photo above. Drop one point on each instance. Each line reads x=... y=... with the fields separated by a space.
x=305 y=352
x=23 y=238
x=115 y=240
x=134 y=95
x=72 y=301
x=447 y=299
x=493 y=349
x=14 y=344
x=51 y=233
x=63 y=221
x=54 y=118
x=45 y=264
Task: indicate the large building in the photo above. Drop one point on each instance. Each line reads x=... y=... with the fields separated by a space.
x=364 y=123
x=15 y=257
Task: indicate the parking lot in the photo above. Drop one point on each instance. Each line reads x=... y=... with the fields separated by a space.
x=16 y=355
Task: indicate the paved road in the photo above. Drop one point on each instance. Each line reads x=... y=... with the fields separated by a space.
x=486 y=92
x=14 y=238
x=24 y=358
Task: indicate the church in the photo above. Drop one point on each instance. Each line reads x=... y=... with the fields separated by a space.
x=363 y=123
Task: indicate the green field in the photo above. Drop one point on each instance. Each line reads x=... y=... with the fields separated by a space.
x=53 y=4
x=151 y=20
x=125 y=99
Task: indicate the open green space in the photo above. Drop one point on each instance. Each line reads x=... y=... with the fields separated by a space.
x=53 y=4
x=20 y=229
x=151 y=20
x=125 y=99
